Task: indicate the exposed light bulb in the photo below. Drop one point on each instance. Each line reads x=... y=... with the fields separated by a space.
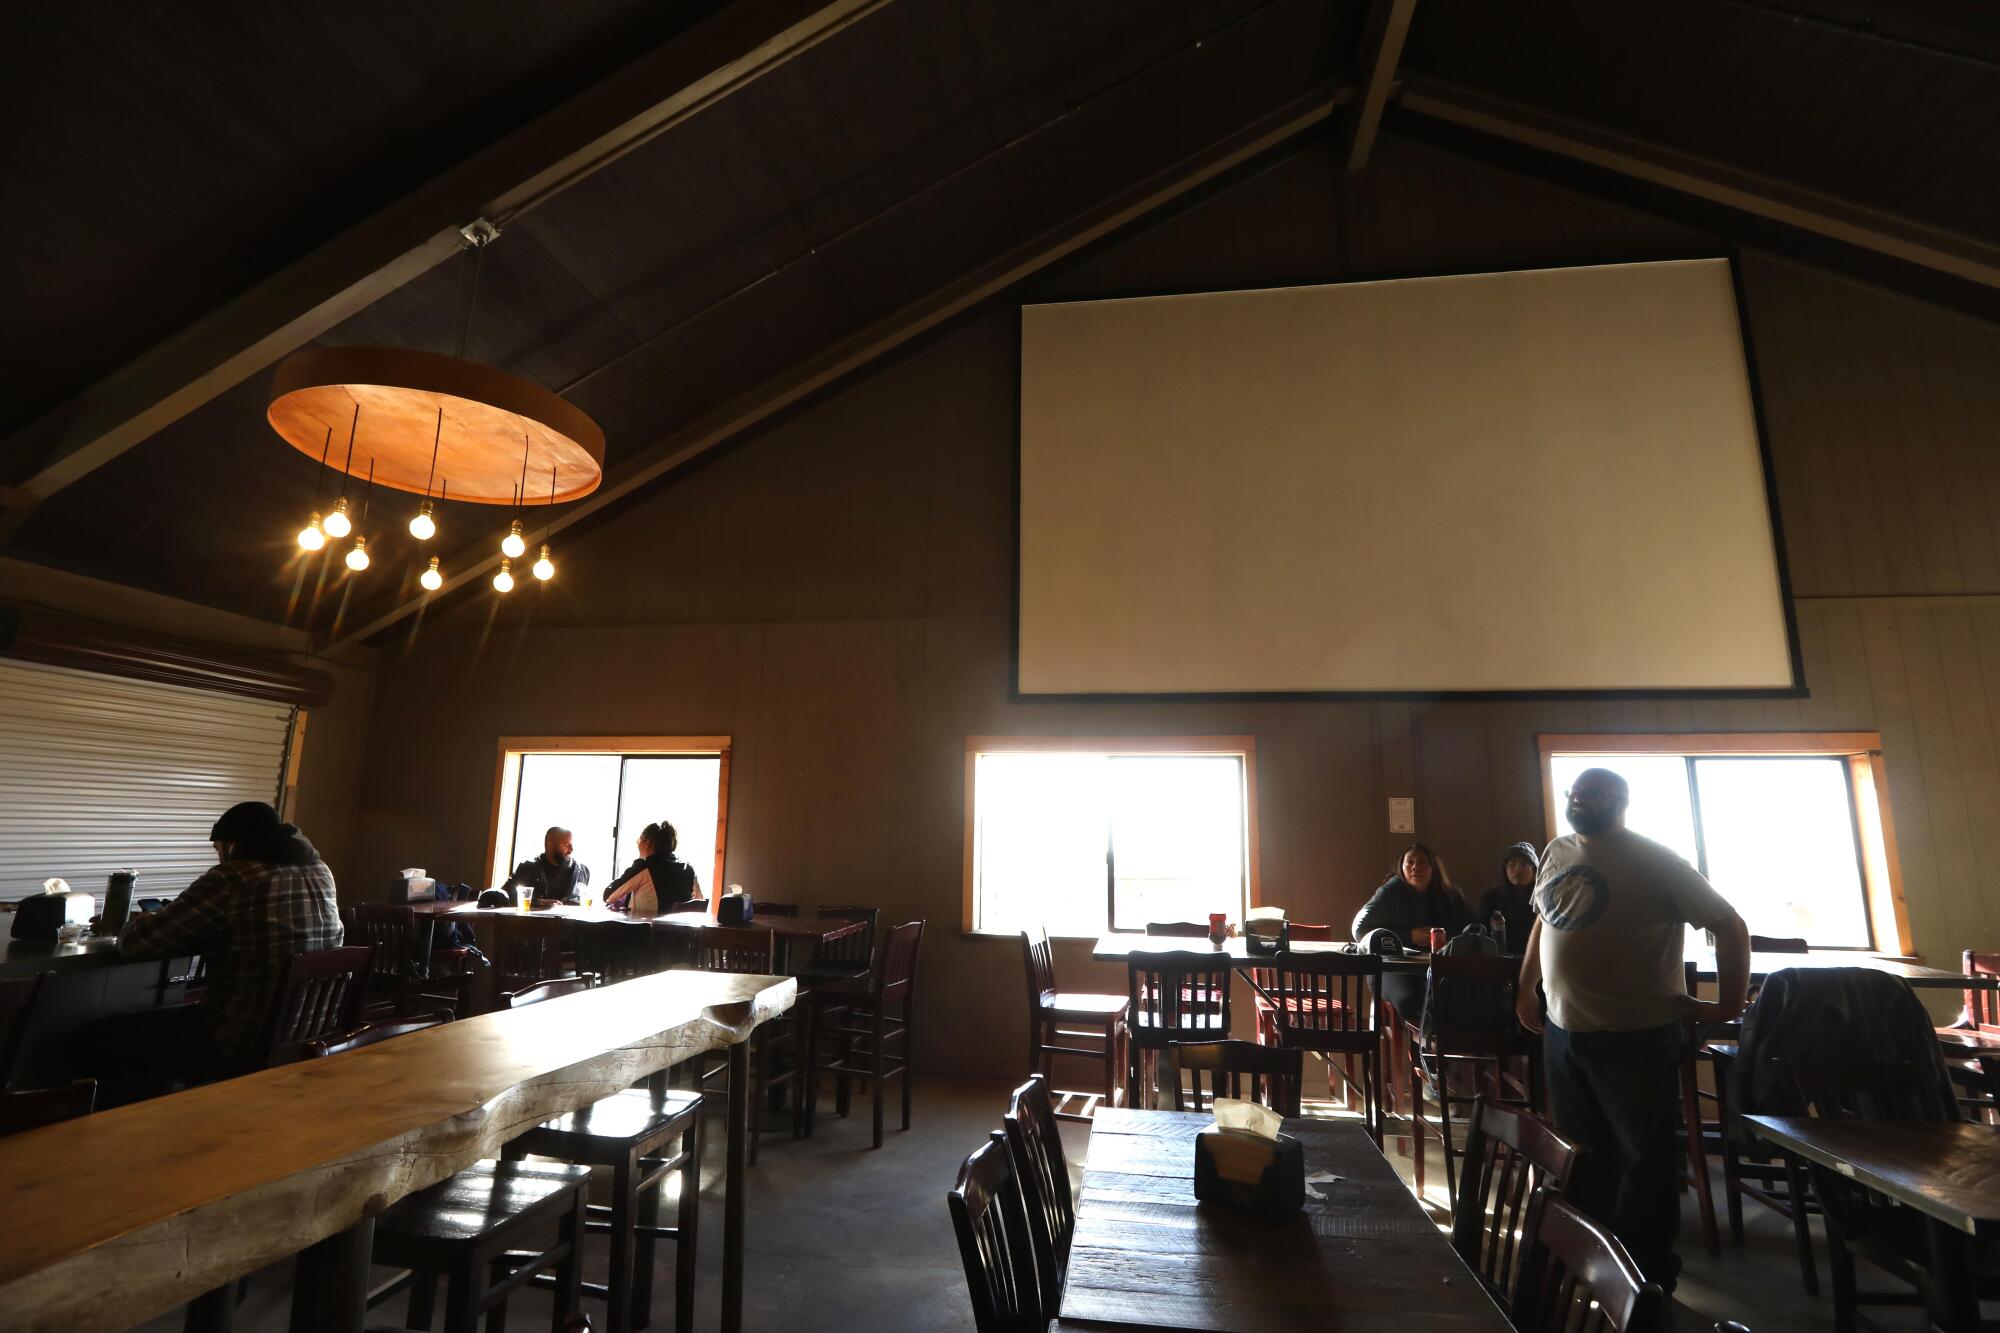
x=337 y=523
x=545 y=568
x=430 y=578
x=423 y=527
x=504 y=580
x=513 y=545
x=310 y=536
x=357 y=556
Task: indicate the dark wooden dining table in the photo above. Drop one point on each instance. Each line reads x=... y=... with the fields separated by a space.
x=1947 y=1171
x=1148 y=1255
x=788 y=932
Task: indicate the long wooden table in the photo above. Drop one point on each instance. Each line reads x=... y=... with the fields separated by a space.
x=117 y=1217
x=1949 y=1172
x=1147 y=1255
x=787 y=931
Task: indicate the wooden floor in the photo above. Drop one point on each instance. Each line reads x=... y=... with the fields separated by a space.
x=844 y=1239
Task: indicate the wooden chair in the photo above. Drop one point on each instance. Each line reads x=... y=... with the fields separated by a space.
x=319 y=997
x=1469 y=1011
x=748 y=949
x=1578 y=1279
x=1982 y=1004
x=1858 y=1220
x=546 y=990
x=645 y=1137
x=1035 y=1144
x=17 y=1003
x=1777 y=1182
x=734 y=949
x=474 y=1230
x=616 y=951
x=1511 y=1156
x=370 y=1033
x=46 y=1106
x=528 y=949
x=1059 y=1018
x=848 y=957
x=1171 y=997
x=1275 y=1073
x=991 y=1222
x=1263 y=981
x=1189 y=930
x=1326 y=1004
x=871 y=1025
x=399 y=978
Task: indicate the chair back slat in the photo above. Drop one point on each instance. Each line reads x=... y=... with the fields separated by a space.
x=552 y=989
x=1510 y=1155
x=20 y=1111
x=1578 y=1279
x=1039 y=957
x=17 y=1002
x=990 y=1218
x=1274 y=1073
x=733 y=949
x=1326 y=1001
x=319 y=997
x=1035 y=1145
x=395 y=932
x=896 y=967
x=370 y=1033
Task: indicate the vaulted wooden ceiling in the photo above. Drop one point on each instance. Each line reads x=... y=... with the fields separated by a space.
x=167 y=159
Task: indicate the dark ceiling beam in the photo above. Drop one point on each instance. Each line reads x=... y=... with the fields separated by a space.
x=895 y=330
x=655 y=92
x=1768 y=198
x=1381 y=52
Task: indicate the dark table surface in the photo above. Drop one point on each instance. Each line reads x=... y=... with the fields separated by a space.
x=1148 y=1256
x=1947 y=1171
x=27 y=958
x=821 y=928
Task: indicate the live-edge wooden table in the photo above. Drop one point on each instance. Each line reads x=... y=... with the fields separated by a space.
x=1948 y=1172
x=114 y=1218
x=1147 y=1255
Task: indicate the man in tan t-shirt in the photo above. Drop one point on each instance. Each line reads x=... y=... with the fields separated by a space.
x=1611 y=908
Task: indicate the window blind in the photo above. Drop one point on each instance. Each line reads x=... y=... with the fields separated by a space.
x=98 y=773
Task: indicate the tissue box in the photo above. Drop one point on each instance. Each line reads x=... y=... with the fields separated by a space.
x=1251 y=1172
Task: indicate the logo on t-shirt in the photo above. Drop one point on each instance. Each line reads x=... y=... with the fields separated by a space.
x=1574 y=897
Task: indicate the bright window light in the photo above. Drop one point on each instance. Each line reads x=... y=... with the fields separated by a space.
x=605 y=800
x=1058 y=838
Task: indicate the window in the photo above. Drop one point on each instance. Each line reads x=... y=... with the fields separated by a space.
x=1791 y=829
x=605 y=790
x=105 y=773
x=1083 y=835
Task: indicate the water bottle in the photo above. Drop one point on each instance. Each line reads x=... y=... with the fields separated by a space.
x=1499 y=927
x=117 y=901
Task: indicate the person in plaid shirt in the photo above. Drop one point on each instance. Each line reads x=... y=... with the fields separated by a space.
x=268 y=898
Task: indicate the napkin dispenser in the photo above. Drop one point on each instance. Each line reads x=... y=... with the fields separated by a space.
x=1243 y=1161
x=41 y=915
x=735 y=909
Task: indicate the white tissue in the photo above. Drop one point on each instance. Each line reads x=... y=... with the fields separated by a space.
x=1240 y=1117
x=55 y=886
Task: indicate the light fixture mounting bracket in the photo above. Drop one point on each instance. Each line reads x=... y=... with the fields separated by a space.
x=479 y=232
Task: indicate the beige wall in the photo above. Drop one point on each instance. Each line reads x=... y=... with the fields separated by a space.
x=835 y=594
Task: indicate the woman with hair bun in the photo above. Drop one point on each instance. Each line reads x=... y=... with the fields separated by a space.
x=658 y=880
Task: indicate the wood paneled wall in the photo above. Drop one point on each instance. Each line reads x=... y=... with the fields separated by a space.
x=834 y=593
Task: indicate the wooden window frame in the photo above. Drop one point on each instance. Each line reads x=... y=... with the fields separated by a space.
x=1881 y=868
x=1242 y=747
x=506 y=778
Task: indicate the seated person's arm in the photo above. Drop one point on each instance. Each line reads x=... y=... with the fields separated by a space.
x=194 y=922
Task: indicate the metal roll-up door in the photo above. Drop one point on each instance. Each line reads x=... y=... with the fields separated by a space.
x=98 y=773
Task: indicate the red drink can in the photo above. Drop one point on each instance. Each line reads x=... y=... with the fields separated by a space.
x=1437 y=939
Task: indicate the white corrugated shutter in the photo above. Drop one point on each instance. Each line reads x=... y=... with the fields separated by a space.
x=99 y=772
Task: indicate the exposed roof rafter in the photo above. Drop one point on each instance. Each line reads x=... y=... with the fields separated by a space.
x=1381 y=52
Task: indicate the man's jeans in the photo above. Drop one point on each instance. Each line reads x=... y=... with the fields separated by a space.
x=1617 y=1094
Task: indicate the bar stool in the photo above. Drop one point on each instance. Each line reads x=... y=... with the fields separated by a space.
x=1056 y=1016
x=634 y=1134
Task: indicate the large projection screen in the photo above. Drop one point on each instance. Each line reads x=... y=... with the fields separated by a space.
x=1497 y=483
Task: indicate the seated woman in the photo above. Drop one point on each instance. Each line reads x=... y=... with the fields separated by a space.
x=1417 y=897
x=657 y=880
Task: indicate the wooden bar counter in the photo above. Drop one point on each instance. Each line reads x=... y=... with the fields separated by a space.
x=123 y=1215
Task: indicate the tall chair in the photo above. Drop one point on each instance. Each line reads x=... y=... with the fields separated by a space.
x=991 y=1223
x=399 y=977
x=1511 y=1157
x=1186 y=930
x=528 y=949
x=616 y=951
x=17 y=1002
x=848 y=957
x=1264 y=982
x=1059 y=1018
x=1035 y=1144
x=319 y=996
x=370 y=1033
x=1468 y=1026
x=644 y=1137
x=734 y=949
x=1579 y=1279
x=1172 y=997
x=1274 y=1073
x=1982 y=1003
x=748 y=949
x=1326 y=1004
x=870 y=1025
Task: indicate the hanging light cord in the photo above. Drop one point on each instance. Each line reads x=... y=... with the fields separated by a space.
x=549 y=522
x=368 y=494
x=347 y=468
x=471 y=300
x=521 y=491
x=319 y=477
x=436 y=440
